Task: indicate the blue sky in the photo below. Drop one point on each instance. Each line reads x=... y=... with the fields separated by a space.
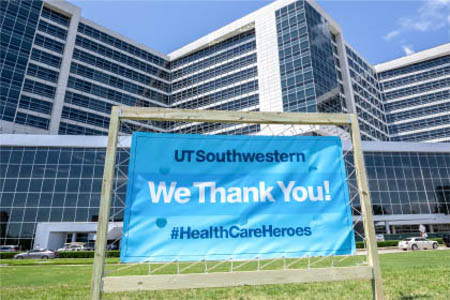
x=378 y=30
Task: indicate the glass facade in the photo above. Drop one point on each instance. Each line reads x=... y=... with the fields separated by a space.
x=417 y=100
x=42 y=48
x=403 y=183
x=42 y=184
x=402 y=104
x=309 y=65
x=63 y=184
x=368 y=96
x=17 y=30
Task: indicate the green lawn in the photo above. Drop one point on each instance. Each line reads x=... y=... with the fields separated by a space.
x=406 y=276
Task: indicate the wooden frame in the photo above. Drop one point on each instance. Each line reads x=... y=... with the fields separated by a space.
x=122 y=283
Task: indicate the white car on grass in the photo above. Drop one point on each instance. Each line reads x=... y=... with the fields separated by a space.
x=417 y=243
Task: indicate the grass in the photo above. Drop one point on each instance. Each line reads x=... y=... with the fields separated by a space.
x=406 y=276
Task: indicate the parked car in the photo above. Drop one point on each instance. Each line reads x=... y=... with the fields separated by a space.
x=75 y=246
x=9 y=248
x=446 y=240
x=36 y=254
x=379 y=237
x=417 y=243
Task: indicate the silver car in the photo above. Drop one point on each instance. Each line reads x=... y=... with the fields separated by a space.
x=417 y=243
x=36 y=254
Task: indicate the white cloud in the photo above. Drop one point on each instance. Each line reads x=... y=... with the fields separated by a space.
x=391 y=35
x=408 y=49
x=431 y=15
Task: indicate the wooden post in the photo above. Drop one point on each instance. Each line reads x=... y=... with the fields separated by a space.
x=105 y=204
x=366 y=210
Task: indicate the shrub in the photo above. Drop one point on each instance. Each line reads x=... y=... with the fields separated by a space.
x=86 y=254
x=8 y=255
x=439 y=240
x=380 y=244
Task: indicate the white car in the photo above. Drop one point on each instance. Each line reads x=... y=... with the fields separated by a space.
x=417 y=243
x=379 y=237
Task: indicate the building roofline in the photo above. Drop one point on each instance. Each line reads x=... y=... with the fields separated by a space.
x=415 y=58
x=81 y=141
x=123 y=38
x=63 y=6
x=244 y=22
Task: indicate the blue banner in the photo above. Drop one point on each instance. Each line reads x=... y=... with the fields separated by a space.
x=193 y=197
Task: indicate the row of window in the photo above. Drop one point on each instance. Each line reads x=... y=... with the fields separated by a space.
x=37 y=105
x=398 y=168
x=368 y=106
x=410 y=185
x=31 y=120
x=300 y=103
x=106 y=93
x=16 y=31
x=414 y=125
x=213 y=60
x=48 y=43
x=94 y=104
x=362 y=84
x=356 y=58
x=288 y=54
x=24 y=156
x=289 y=9
x=117 y=82
x=365 y=96
x=228 y=43
x=300 y=66
x=58 y=185
x=296 y=80
x=416 y=208
x=415 y=67
x=225 y=129
x=438 y=72
x=294 y=21
x=362 y=76
x=42 y=73
x=119 y=70
x=419 y=100
x=120 y=57
x=375 y=122
x=210 y=73
x=38 y=88
x=368 y=132
x=420 y=88
x=221 y=95
x=71 y=129
x=115 y=42
x=238 y=104
x=17 y=229
x=84 y=117
x=46 y=58
x=216 y=84
x=52 y=30
x=424 y=135
x=419 y=112
x=55 y=16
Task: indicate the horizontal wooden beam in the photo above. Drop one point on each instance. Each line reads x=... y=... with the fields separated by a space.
x=220 y=116
x=224 y=279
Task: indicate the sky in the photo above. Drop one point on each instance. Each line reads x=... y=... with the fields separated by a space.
x=379 y=30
